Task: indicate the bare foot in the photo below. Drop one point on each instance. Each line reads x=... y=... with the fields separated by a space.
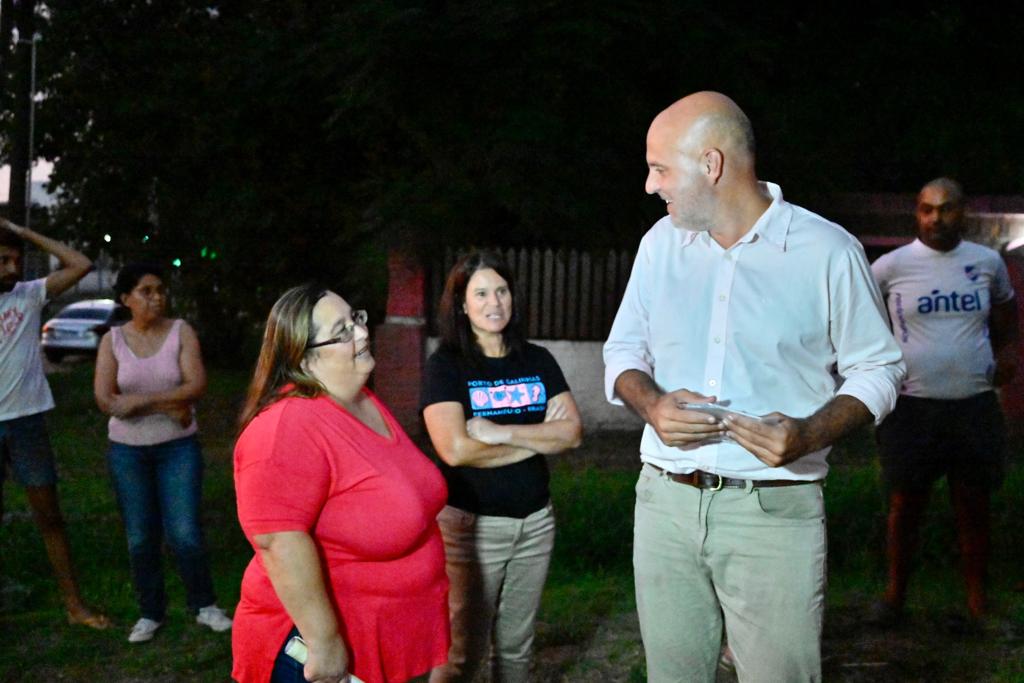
x=83 y=616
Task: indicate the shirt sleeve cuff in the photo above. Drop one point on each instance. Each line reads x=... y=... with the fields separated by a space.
x=878 y=395
x=612 y=372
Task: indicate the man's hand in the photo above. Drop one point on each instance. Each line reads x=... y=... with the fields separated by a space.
x=74 y=264
x=778 y=439
x=1003 y=333
x=674 y=425
x=1006 y=367
x=488 y=432
x=679 y=427
x=775 y=439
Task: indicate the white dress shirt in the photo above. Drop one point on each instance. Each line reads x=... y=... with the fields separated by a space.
x=777 y=322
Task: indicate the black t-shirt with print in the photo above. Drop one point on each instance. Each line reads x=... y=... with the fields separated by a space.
x=510 y=390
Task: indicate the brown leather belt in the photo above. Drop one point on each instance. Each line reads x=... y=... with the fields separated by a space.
x=706 y=480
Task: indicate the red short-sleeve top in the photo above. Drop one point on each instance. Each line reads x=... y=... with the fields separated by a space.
x=369 y=502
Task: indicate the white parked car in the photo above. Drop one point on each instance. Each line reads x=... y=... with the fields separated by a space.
x=78 y=328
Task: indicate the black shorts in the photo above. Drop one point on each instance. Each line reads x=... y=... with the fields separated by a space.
x=25 y=448
x=924 y=439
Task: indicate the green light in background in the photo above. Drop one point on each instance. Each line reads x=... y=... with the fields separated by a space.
x=176 y=263
x=202 y=252
x=145 y=238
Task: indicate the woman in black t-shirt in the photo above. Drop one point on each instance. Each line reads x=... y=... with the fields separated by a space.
x=494 y=405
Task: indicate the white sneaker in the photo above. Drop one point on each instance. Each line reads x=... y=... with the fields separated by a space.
x=143 y=630
x=214 y=617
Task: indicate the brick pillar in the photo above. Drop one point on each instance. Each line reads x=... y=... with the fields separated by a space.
x=399 y=341
x=1012 y=394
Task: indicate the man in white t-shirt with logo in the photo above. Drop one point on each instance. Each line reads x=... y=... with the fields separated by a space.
x=954 y=316
x=25 y=397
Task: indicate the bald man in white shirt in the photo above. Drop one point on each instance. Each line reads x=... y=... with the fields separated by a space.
x=739 y=299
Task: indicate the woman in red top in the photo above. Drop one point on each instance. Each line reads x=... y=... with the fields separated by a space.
x=340 y=508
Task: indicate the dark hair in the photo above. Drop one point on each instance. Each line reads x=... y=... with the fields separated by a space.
x=129 y=275
x=11 y=241
x=285 y=339
x=456 y=332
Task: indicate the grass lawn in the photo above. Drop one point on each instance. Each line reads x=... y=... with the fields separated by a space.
x=590 y=583
x=37 y=643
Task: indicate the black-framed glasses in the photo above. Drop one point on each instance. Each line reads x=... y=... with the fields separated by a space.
x=347 y=333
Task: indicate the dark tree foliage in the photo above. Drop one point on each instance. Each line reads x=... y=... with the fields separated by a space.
x=199 y=134
x=301 y=139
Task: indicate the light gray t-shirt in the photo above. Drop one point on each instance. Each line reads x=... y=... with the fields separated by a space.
x=23 y=387
x=939 y=304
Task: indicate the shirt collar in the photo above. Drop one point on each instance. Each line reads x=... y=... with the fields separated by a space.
x=922 y=247
x=772 y=225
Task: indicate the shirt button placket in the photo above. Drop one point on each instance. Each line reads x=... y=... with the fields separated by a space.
x=715 y=358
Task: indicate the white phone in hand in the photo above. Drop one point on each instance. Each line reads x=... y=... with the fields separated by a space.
x=717 y=411
x=297 y=650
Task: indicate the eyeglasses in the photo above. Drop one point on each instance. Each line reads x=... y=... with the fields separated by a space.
x=346 y=333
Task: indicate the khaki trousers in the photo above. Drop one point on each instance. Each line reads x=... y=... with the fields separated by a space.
x=752 y=557
x=497 y=567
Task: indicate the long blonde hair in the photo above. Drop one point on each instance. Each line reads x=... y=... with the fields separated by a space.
x=289 y=330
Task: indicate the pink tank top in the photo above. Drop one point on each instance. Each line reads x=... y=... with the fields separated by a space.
x=135 y=375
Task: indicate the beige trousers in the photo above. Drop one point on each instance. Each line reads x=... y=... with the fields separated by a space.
x=497 y=567
x=753 y=558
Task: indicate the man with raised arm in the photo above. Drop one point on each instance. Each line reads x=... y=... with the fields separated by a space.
x=740 y=300
x=25 y=396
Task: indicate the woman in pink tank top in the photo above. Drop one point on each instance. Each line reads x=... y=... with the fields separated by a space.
x=149 y=372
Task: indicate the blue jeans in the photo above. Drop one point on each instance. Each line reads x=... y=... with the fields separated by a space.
x=158 y=492
x=286 y=669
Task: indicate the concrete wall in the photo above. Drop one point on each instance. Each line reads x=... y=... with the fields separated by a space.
x=583 y=367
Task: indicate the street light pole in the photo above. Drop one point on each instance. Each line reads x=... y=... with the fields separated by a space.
x=31 y=129
x=23 y=108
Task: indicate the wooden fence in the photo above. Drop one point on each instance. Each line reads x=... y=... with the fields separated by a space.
x=564 y=294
